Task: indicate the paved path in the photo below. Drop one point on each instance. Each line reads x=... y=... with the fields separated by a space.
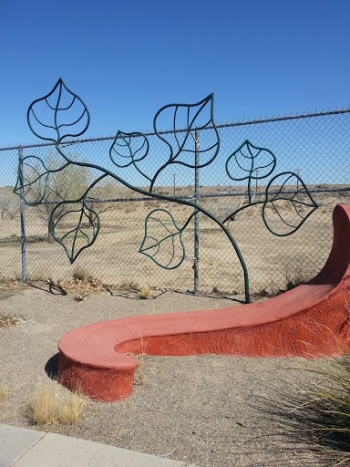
x=20 y=447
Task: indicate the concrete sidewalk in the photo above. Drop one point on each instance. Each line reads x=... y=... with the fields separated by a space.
x=20 y=447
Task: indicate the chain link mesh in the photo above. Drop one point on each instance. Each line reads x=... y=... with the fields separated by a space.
x=316 y=147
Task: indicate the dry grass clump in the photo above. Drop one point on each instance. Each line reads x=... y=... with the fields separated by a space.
x=145 y=291
x=80 y=274
x=7 y=320
x=140 y=370
x=3 y=392
x=83 y=281
x=294 y=277
x=12 y=283
x=81 y=296
x=319 y=415
x=53 y=405
x=81 y=285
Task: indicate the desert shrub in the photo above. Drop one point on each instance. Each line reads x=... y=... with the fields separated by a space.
x=318 y=415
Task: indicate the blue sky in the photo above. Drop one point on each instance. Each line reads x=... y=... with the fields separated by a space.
x=127 y=59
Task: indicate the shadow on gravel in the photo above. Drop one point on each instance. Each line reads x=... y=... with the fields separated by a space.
x=51 y=367
x=49 y=287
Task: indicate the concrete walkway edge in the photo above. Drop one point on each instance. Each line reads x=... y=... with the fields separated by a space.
x=21 y=447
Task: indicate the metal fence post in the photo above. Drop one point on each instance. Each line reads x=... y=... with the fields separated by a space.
x=196 y=217
x=22 y=209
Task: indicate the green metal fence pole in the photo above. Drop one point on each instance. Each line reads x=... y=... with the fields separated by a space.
x=22 y=211
x=196 y=217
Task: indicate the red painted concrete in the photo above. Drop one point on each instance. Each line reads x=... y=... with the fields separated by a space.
x=310 y=320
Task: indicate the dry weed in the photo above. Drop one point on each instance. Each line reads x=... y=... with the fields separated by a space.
x=128 y=285
x=54 y=405
x=7 y=320
x=3 y=392
x=295 y=276
x=80 y=297
x=13 y=283
x=82 y=284
x=145 y=291
x=81 y=274
x=140 y=373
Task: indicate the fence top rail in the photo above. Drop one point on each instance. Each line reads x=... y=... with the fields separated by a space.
x=222 y=125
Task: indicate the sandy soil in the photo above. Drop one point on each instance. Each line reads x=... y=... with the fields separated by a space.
x=209 y=410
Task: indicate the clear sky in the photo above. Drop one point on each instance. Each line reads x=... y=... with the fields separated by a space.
x=127 y=59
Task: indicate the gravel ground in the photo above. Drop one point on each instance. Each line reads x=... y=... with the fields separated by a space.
x=209 y=410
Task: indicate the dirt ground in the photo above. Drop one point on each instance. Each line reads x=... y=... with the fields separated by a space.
x=210 y=410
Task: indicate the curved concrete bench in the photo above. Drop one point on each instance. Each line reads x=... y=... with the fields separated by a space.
x=310 y=320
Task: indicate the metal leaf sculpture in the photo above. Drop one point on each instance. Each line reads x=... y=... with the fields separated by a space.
x=250 y=162
x=184 y=120
x=163 y=240
x=58 y=115
x=288 y=205
x=75 y=225
x=129 y=149
x=33 y=180
x=82 y=222
x=288 y=202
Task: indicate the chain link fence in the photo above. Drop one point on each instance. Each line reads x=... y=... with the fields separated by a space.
x=314 y=146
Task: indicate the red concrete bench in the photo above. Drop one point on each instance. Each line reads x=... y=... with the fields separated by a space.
x=310 y=320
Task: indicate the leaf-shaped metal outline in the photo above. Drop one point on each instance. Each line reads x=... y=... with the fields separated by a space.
x=126 y=138
x=134 y=156
x=95 y=228
x=250 y=173
x=39 y=179
x=158 y=243
x=60 y=85
x=190 y=126
x=313 y=205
